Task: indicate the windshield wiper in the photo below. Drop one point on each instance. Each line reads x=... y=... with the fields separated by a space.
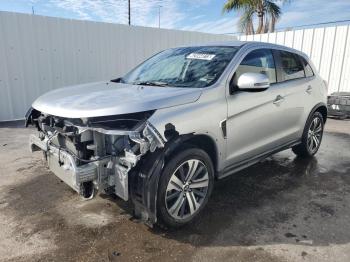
x=151 y=83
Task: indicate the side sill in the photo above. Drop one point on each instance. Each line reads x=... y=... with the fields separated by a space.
x=256 y=159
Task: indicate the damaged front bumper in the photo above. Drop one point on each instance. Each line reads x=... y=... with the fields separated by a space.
x=63 y=165
x=90 y=158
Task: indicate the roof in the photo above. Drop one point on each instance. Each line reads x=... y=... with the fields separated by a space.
x=251 y=43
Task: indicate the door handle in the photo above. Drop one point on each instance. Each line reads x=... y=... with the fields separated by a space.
x=278 y=100
x=309 y=89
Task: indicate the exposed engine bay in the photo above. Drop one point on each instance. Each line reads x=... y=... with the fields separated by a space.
x=100 y=153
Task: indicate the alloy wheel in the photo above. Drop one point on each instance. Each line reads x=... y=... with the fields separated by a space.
x=187 y=189
x=314 y=135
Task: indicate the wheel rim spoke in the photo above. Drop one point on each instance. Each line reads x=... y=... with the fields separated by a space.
x=182 y=210
x=192 y=202
x=174 y=210
x=199 y=170
x=318 y=122
x=315 y=140
x=318 y=129
x=173 y=195
x=311 y=145
x=309 y=142
x=198 y=192
x=175 y=184
x=193 y=164
x=199 y=183
x=182 y=173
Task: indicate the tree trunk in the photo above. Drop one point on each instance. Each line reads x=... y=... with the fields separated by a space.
x=251 y=28
x=267 y=25
x=261 y=23
x=272 y=24
x=260 y=13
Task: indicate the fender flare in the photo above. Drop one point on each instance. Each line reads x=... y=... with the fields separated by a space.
x=314 y=109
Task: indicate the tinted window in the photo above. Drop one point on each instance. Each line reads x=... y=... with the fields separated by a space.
x=292 y=68
x=307 y=68
x=258 y=61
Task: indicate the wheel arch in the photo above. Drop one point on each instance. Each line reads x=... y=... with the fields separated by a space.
x=145 y=186
x=201 y=141
x=322 y=108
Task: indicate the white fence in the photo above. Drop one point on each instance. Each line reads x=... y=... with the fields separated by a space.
x=328 y=48
x=39 y=53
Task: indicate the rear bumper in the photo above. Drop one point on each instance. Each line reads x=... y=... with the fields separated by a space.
x=63 y=165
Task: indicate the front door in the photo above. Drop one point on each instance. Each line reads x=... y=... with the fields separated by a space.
x=254 y=118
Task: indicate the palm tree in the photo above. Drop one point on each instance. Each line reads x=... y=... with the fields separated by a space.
x=267 y=12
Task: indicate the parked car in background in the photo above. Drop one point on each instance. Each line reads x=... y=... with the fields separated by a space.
x=162 y=134
x=338 y=104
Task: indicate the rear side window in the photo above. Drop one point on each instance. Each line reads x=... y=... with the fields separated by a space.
x=307 y=68
x=292 y=68
x=258 y=61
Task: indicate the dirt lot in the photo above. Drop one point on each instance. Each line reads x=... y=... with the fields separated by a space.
x=284 y=209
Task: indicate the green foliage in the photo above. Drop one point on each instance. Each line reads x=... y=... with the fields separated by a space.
x=267 y=11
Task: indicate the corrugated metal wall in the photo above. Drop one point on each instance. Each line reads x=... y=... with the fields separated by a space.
x=39 y=53
x=328 y=48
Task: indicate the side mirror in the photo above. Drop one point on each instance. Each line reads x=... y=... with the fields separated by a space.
x=253 y=82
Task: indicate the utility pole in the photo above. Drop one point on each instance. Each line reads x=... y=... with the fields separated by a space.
x=129 y=11
x=159 y=15
x=33 y=13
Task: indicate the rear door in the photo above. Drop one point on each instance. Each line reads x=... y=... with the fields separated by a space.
x=295 y=88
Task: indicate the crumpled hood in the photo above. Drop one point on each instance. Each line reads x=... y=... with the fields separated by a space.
x=108 y=98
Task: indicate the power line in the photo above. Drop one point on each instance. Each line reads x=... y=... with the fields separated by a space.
x=323 y=23
x=159 y=6
x=129 y=11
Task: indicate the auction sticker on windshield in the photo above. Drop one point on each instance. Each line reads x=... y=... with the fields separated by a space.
x=200 y=56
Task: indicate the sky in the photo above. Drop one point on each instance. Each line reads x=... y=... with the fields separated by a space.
x=194 y=15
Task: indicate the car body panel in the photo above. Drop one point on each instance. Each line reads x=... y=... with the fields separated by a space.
x=297 y=107
x=108 y=98
x=200 y=118
x=283 y=130
x=254 y=123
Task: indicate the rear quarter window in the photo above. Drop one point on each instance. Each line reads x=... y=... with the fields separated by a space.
x=291 y=66
x=308 y=69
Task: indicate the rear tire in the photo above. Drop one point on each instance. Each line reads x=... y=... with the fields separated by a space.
x=185 y=186
x=312 y=136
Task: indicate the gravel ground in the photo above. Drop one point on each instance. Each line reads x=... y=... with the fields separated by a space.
x=283 y=209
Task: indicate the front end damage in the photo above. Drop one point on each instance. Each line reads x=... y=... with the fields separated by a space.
x=121 y=154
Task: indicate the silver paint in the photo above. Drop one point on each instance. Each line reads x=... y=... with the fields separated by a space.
x=256 y=122
x=253 y=80
x=108 y=98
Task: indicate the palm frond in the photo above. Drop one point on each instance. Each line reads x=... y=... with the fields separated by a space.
x=236 y=5
x=245 y=22
x=273 y=9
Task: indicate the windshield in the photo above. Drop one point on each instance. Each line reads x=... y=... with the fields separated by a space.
x=183 y=67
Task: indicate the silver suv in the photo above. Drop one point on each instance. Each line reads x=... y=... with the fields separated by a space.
x=162 y=134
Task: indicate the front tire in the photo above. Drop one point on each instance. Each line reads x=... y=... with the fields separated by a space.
x=312 y=136
x=185 y=186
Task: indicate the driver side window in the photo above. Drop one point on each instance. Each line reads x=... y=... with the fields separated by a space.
x=258 y=61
